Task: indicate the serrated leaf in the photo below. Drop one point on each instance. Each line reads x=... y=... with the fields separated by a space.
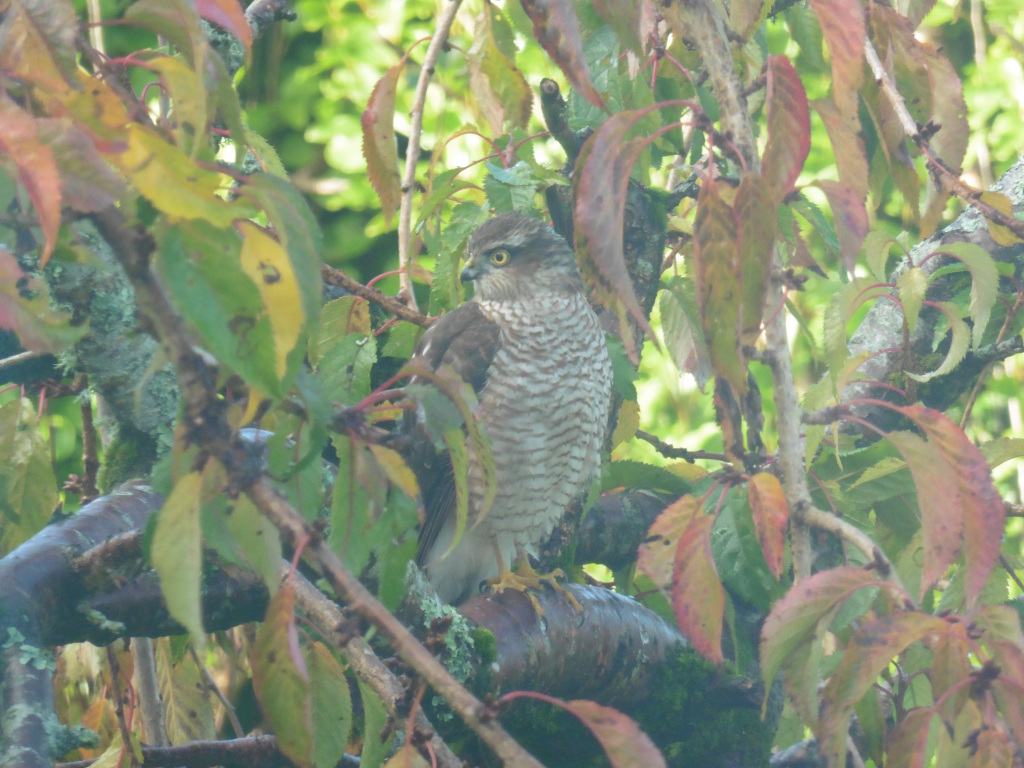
x=28 y=487
x=979 y=504
x=188 y=712
x=912 y=285
x=810 y=603
x=258 y=540
x=172 y=182
x=789 y=128
x=872 y=648
x=1001 y=450
x=620 y=737
x=557 y=29
x=844 y=133
x=1002 y=235
x=37 y=168
x=331 y=706
x=187 y=91
x=877 y=249
x=698 y=598
x=771 y=518
x=756 y=214
x=280 y=679
x=657 y=553
x=87 y=182
x=39 y=42
x=907 y=745
x=636 y=474
x=626 y=423
x=396 y=469
x=984 y=283
x=265 y=153
x=377 y=739
x=379 y=147
x=267 y=264
x=850 y=217
x=177 y=554
x=719 y=287
x=959 y=342
x=177 y=20
x=218 y=298
x=624 y=17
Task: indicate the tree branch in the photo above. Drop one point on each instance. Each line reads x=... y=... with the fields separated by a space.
x=336 y=277
x=412 y=153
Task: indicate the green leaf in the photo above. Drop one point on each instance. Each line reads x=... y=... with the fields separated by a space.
x=26 y=310
x=959 y=342
x=499 y=88
x=379 y=147
x=912 y=284
x=188 y=711
x=512 y=189
x=375 y=749
x=984 y=283
x=202 y=269
x=557 y=29
x=280 y=679
x=681 y=331
x=331 y=706
x=177 y=554
x=258 y=541
x=28 y=487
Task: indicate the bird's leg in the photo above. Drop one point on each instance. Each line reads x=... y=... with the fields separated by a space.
x=525 y=577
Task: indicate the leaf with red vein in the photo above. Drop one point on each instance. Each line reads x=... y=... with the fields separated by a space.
x=842 y=24
x=771 y=516
x=558 y=30
x=873 y=647
x=379 y=147
x=37 y=169
x=227 y=14
x=600 y=183
x=977 y=501
x=698 y=599
x=789 y=127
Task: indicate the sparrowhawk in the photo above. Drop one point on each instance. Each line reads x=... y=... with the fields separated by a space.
x=532 y=348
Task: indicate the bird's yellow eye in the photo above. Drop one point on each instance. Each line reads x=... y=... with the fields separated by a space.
x=500 y=258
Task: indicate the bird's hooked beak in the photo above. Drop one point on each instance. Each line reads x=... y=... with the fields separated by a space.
x=469 y=272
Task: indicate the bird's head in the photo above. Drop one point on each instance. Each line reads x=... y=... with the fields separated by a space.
x=516 y=256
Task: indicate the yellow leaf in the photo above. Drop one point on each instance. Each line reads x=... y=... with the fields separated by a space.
x=1002 y=235
x=175 y=184
x=267 y=264
x=396 y=469
x=627 y=423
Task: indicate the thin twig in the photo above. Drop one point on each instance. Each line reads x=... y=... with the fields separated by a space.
x=151 y=706
x=672 y=452
x=336 y=277
x=90 y=455
x=122 y=723
x=412 y=154
x=21 y=357
x=941 y=172
x=212 y=686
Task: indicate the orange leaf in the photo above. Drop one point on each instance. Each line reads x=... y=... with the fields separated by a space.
x=379 y=147
x=657 y=554
x=907 y=744
x=37 y=169
x=698 y=599
x=771 y=515
x=39 y=42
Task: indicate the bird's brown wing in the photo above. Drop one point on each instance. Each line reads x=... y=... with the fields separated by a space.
x=466 y=340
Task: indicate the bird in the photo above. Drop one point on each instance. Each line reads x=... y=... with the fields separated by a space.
x=532 y=348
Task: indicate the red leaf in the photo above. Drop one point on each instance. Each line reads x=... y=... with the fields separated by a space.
x=698 y=599
x=789 y=128
x=992 y=750
x=39 y=43
x=873 y=647
x=842 y=24
x=558 y=30
x=771 y=516
x=718 y=279
x=89 y=184
x=977 y=502
x=621 y=738
x=851 y=219
x=600 y=182
x=657 y=554
x=227 y=14
x=37 y=169
x=379 y=147
x=793 y=619
x=942 y=525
